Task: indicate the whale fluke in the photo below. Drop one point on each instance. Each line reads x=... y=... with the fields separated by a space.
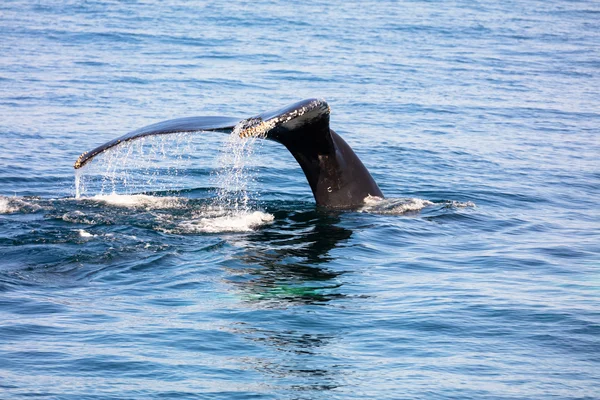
x=179 y=125
x=335 y=174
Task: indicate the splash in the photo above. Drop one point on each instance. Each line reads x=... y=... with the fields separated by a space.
x=234 y=206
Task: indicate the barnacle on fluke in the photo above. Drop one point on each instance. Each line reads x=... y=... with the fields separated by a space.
x=253 y=127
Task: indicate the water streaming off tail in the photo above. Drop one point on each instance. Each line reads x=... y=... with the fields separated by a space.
x=234 y=207
x=235 y=176
x=167 y=164
x=151 y=164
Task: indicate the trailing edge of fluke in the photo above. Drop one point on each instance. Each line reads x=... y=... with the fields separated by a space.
x=337 y=177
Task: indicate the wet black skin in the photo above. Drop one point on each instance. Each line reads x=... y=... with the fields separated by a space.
x=335 y=174
x=337 y=177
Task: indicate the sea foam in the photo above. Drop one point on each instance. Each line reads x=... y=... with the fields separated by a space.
x=139 y=201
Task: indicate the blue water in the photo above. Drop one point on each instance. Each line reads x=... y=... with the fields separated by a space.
x=177 y=275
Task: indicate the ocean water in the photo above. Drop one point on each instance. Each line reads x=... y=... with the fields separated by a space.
x=198 y=266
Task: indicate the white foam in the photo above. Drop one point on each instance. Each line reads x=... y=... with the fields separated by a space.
x=6 y=206
x=397 y=206
x=214 y=221
x=85 y=234
x=371 y=200
x=140 y=201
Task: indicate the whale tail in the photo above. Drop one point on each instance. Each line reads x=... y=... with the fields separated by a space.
x=335 y=174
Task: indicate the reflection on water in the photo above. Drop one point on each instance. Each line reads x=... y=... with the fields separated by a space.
x=285 y=263
x=289 y=354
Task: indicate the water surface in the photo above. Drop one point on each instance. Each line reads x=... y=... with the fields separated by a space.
x=180 y=274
